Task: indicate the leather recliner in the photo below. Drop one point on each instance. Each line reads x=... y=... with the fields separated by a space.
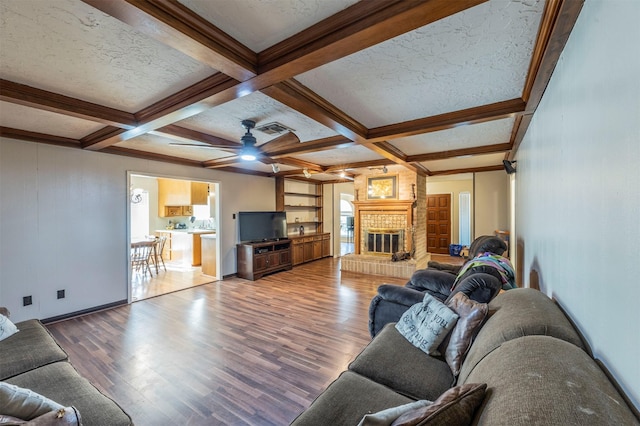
x=481 y=283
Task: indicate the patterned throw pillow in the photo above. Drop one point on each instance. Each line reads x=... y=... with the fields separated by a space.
x=7 y=328
x=426 y=324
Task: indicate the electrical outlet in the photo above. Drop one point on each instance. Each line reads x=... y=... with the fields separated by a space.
x=60 y=294
x=27 y=300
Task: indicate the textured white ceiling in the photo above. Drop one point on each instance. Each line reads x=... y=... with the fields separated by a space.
x=470 y=59
x=78 y=51
x=225 y=120
x=261 y=24
x=475 y=57
x=488 y=133
x=336 y=157
x=24 y=118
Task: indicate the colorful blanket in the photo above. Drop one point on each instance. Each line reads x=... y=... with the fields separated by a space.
x=501 y=264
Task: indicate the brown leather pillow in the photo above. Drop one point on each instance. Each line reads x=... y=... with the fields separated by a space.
x=456 y=406
x=471 y=316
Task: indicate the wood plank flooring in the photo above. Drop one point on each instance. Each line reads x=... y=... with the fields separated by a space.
x=232 y=352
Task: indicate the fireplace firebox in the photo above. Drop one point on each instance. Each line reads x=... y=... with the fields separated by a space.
x=384 y=241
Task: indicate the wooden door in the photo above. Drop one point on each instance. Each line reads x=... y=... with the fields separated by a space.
x=438 y=223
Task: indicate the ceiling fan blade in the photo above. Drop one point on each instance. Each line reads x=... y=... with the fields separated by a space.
x=199 y=145
x=287 y=140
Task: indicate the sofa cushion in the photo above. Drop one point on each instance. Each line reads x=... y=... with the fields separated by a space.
x=455 y=407
x=391 y=360
x=24 y=403
x=7 y=328
x=546 y=381
x=347 y=400
x=30 y=348
x=516 y=313
x=471 y=316
x=62 y=383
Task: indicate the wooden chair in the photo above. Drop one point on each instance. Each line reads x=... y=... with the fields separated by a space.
x=140 y=254
x=158 y=259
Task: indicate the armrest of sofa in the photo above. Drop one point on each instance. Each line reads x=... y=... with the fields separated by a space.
x=402 y=295
x=389 y=304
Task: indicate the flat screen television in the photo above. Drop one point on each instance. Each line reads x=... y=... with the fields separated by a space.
x=262 y=226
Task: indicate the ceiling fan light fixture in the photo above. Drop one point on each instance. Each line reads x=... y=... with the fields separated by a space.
x=249 y=152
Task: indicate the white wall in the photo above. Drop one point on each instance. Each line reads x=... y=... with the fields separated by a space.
x=578 y=185
x=63 y=223
x=491 y=202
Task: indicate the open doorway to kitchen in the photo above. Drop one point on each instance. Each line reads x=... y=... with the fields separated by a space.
x=173 y=234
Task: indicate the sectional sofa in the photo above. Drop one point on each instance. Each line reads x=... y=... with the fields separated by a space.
x=32 y=359
x=536 y=368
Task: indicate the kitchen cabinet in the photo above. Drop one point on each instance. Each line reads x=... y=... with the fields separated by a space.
x=176 y=197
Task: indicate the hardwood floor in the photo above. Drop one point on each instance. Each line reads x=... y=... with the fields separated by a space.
x=232 y=352
x=176 y=277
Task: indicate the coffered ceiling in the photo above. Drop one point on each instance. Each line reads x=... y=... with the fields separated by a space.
x=437 y=86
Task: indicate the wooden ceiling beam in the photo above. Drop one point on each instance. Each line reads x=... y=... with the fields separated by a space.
x=468 y=170
x=53 y=102
x=448 y=120
x=355 y=28
x=305 y=101
x=25 y=135
x=211 y=91
x=332 y=142
x=557 y=22
x=443 y=155
x=177 y=26
x=392 y=153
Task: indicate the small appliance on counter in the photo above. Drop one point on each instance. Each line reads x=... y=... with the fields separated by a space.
x=180 y=225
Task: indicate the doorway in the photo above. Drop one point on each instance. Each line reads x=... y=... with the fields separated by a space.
x=188 y=232
x=438 y=223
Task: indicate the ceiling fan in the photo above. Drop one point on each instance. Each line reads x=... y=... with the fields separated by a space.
x=247 y=149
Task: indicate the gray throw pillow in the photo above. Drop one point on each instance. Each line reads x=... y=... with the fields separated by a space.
x=426 y=324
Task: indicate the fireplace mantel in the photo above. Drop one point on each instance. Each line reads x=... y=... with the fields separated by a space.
x=404 y=207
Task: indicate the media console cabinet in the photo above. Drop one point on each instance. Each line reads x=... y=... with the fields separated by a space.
x=258 y=259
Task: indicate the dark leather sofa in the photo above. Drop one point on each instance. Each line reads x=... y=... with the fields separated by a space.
x=481 y=284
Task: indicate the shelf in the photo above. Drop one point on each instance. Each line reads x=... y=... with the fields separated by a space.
x=293 y=206
x=303 y=194
x=302 y=222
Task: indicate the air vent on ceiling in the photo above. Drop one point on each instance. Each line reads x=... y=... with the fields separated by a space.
x=274 y=128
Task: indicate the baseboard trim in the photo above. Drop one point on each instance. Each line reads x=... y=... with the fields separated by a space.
x=84 y=312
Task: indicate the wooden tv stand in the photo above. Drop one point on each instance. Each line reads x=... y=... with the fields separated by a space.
x=258 y=259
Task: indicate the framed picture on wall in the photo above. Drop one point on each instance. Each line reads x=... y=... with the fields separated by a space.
x=382 y=188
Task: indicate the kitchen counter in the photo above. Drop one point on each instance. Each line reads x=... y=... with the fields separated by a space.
x=184 y=245
x=188 y=231
x=209 y=254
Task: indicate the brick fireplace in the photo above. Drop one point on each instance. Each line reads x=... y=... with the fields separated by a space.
x=382 y=227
